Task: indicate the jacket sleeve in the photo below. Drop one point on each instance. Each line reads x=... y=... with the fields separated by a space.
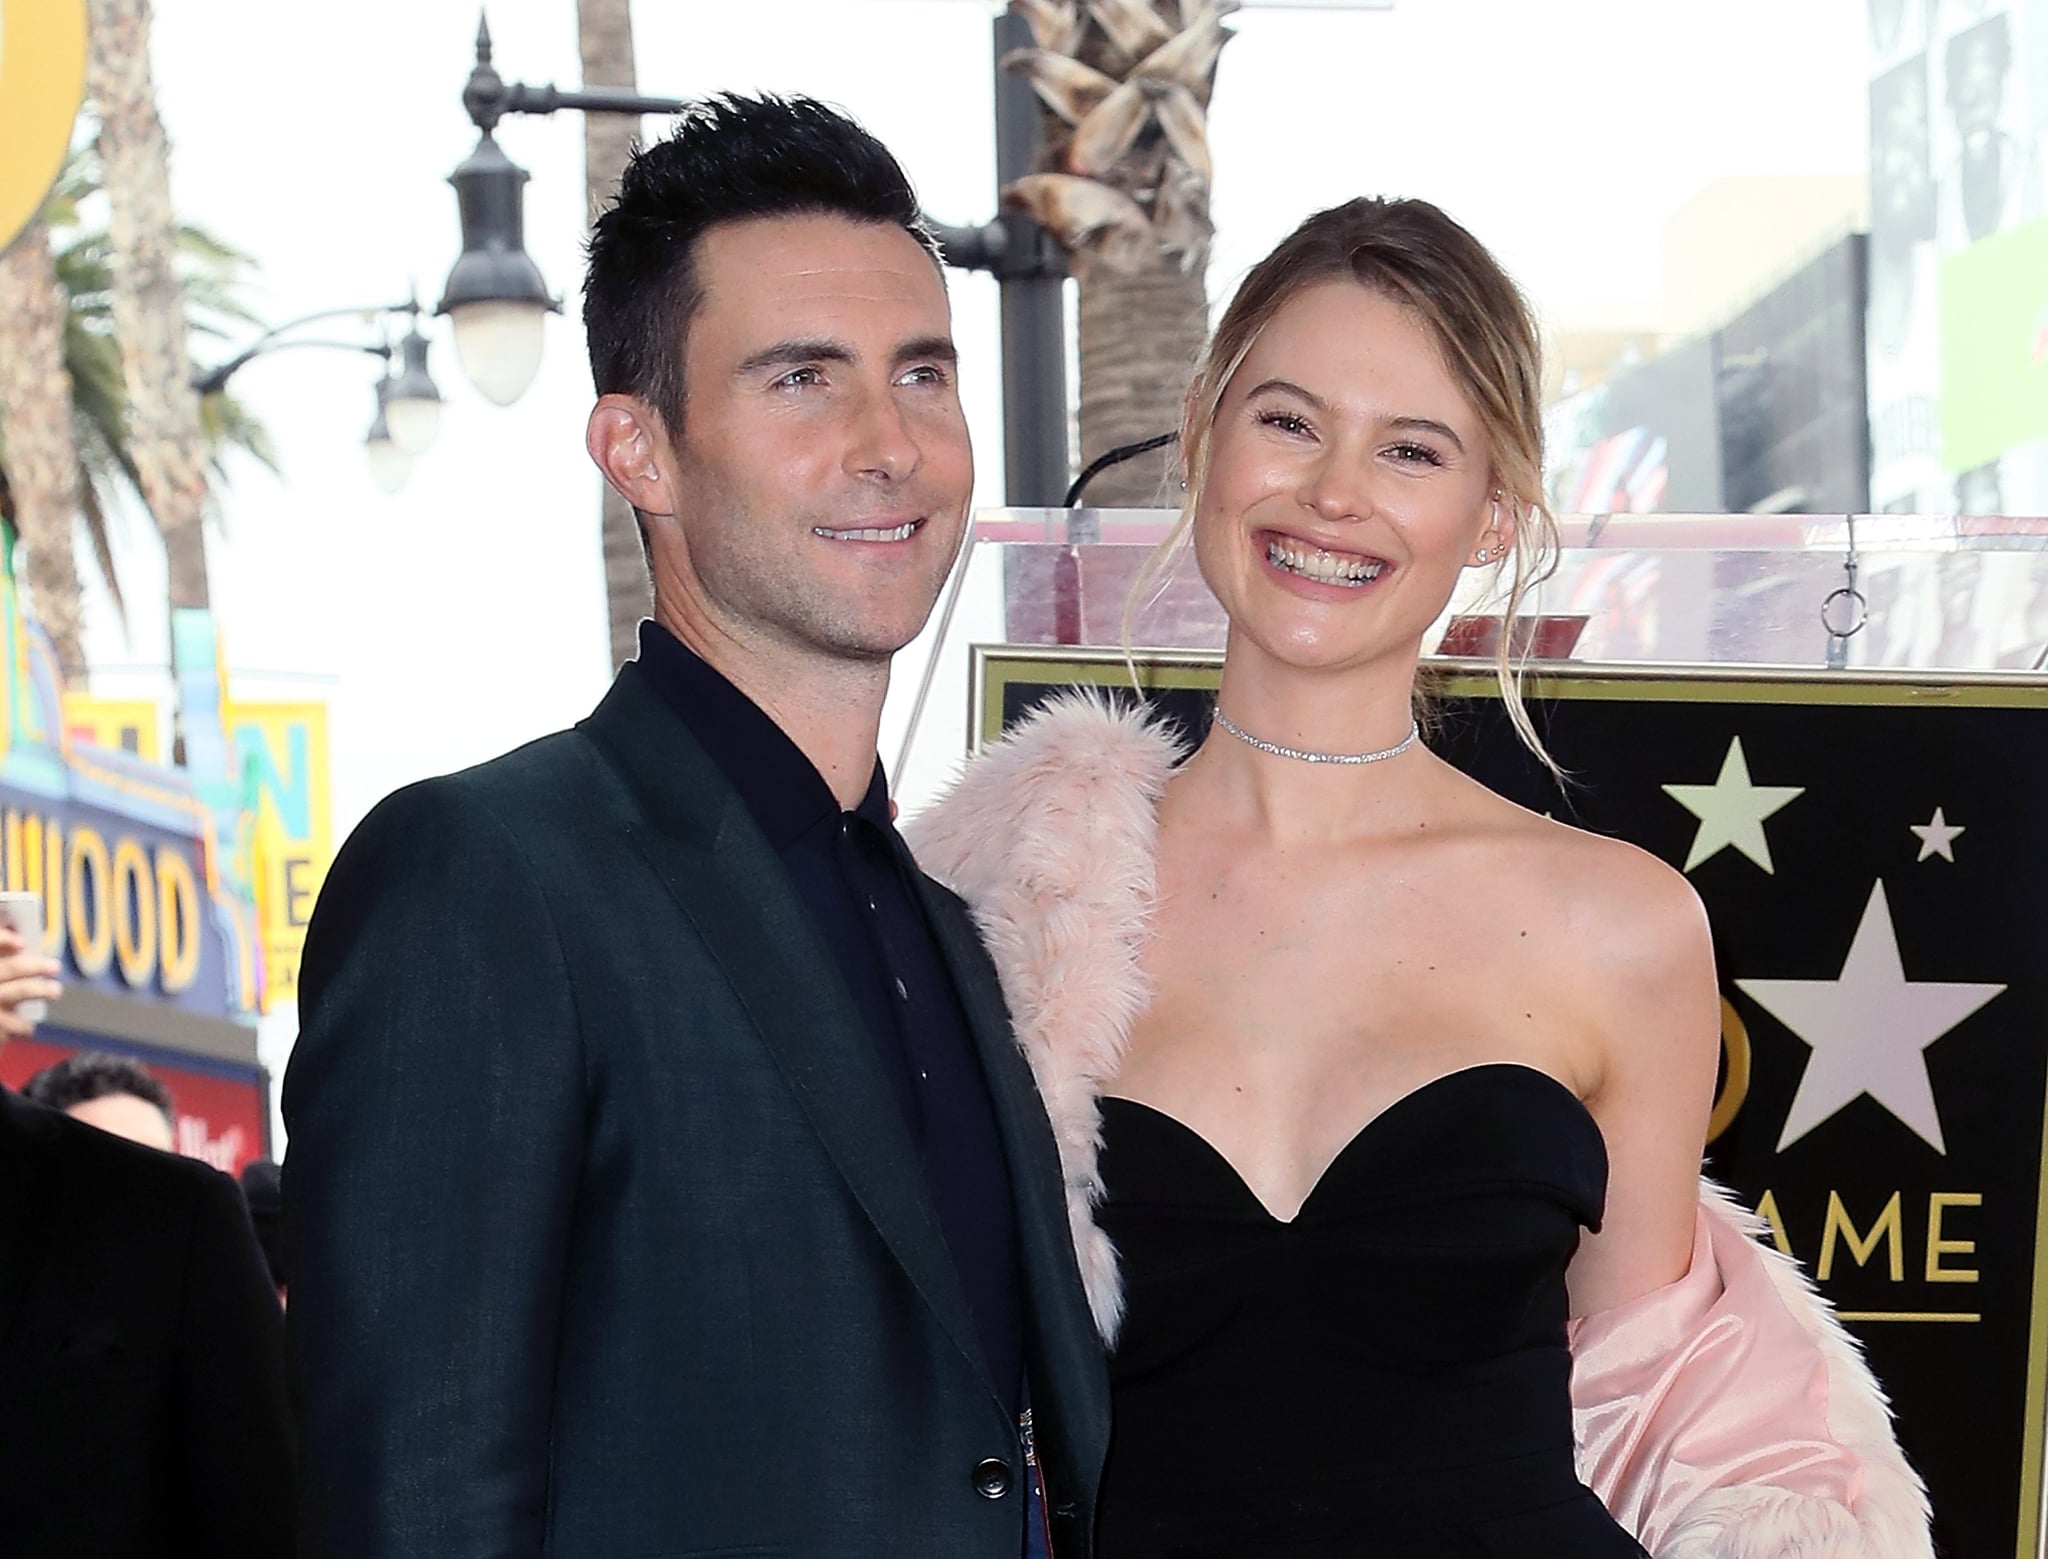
x=234 y=1430
x=1729 y=1416
x=435 y=1104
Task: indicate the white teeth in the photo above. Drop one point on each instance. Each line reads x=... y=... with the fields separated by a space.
x=901 y=532
x=1324 y=567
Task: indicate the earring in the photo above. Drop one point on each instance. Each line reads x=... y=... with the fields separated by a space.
x=1485 y=556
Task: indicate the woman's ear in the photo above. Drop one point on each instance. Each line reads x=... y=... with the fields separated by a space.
x=1506 y=522
x=629 y=445
x=1497 y=540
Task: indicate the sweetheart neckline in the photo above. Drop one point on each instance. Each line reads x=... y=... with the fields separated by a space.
x=1433 y=1085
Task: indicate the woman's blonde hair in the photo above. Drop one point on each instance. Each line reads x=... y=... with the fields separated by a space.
x=1410 y=252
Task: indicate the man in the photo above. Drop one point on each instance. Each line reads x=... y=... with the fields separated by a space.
x=110 y=1092
x=142 y=1401
x=662 y=1175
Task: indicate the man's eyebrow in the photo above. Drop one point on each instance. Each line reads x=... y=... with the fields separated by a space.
x=799 y=350
x=1442 y=430
x=929 y=349
x=795 y=353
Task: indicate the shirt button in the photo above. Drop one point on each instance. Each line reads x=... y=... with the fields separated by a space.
x=871 y=905
x=992 y=1478
x=903 y=990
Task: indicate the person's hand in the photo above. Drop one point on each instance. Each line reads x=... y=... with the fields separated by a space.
x=24 y=976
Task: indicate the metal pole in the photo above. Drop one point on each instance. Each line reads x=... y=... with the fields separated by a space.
x=1035 y=468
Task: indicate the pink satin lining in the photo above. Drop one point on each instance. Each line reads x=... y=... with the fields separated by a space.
x=1708 y=1383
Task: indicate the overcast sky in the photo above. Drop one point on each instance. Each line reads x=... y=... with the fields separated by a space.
x=466 y=614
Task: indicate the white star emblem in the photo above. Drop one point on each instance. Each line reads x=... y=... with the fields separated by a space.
x=1732 y=810
x=1868 y=1029
x=1936 y=837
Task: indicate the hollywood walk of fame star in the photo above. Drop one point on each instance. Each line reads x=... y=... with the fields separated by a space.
x=1869 y=1029
x=1936 y=837
x=1732 y=811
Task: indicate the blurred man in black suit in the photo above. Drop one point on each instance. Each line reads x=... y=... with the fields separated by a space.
x=142 y=1404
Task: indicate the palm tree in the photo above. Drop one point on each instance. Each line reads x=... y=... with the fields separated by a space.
x=1124 y=188
x=39 y=479
x=66 y=255
x=604 y=31
x=166 y=437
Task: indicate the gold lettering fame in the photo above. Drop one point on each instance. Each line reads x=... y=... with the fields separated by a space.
x=1839 y=1231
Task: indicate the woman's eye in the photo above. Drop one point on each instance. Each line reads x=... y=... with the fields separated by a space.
x=1285 y=421
x=1416 y=453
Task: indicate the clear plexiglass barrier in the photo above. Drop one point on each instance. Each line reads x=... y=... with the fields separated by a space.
x=1962 y=596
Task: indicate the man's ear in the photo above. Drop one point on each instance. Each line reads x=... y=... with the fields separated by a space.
x=629 y=445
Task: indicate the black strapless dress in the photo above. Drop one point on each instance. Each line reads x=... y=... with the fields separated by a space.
x=1384 y=1377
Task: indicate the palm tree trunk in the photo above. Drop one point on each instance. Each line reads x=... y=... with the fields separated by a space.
x=1124 y=187
x=35 y=431
x=604 y=33
x=148 y=305
x=1140 y=333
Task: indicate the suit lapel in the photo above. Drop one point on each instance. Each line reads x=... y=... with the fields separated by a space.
x=698 y=837
x=1067 y=1343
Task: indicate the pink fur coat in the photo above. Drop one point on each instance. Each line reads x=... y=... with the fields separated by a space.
x=1728 y=1416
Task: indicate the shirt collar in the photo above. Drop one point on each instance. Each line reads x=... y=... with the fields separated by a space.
x=781 y=787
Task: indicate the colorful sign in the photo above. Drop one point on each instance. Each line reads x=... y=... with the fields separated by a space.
x=280 y=751
x=120 y=724
x=1994 y=346
x=42 y=78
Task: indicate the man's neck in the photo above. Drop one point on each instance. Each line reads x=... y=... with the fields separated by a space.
x=831 y=710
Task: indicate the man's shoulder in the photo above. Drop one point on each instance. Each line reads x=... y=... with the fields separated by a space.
x=539 y=782
x=136 y=1186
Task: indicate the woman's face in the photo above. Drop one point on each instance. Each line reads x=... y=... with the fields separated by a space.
x=1349 y=482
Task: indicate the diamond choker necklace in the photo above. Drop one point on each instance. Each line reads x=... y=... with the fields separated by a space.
x=1300 y=756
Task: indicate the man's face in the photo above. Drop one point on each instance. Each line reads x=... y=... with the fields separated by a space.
x=820 y=481
x=126 y=1116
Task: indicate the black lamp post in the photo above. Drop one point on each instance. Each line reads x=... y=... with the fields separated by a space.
x=497 y=296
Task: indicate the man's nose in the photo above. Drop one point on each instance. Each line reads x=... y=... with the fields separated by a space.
x=883 y=444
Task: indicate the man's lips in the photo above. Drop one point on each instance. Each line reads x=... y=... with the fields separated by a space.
x=890 y=530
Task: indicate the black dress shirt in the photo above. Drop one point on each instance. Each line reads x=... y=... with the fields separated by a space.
x=852 y=872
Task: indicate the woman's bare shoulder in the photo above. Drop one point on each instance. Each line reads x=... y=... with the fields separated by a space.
x=1610 y=906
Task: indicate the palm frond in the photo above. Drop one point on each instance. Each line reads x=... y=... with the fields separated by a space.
x=102 y=545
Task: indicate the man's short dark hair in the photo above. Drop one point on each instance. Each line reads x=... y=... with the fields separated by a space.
x=93 y=1074
x=730 y=159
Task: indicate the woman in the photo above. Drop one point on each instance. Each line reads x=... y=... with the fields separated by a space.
x=1381 y=1099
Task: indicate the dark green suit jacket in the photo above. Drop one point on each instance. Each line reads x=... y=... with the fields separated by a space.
x=609 y=1240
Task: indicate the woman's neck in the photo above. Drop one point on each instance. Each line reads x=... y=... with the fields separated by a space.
x=1350 y=711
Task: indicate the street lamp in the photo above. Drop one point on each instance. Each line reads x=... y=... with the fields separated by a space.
x=408 y=400
x=413 y=406
x=390 y=464
x=496 y=296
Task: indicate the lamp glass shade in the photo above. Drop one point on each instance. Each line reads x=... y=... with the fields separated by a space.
x=412 y=423
x=499 y=346
x=389 y=465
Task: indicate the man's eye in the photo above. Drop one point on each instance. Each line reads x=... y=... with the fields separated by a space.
x=798 y=377
x=924 y=373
